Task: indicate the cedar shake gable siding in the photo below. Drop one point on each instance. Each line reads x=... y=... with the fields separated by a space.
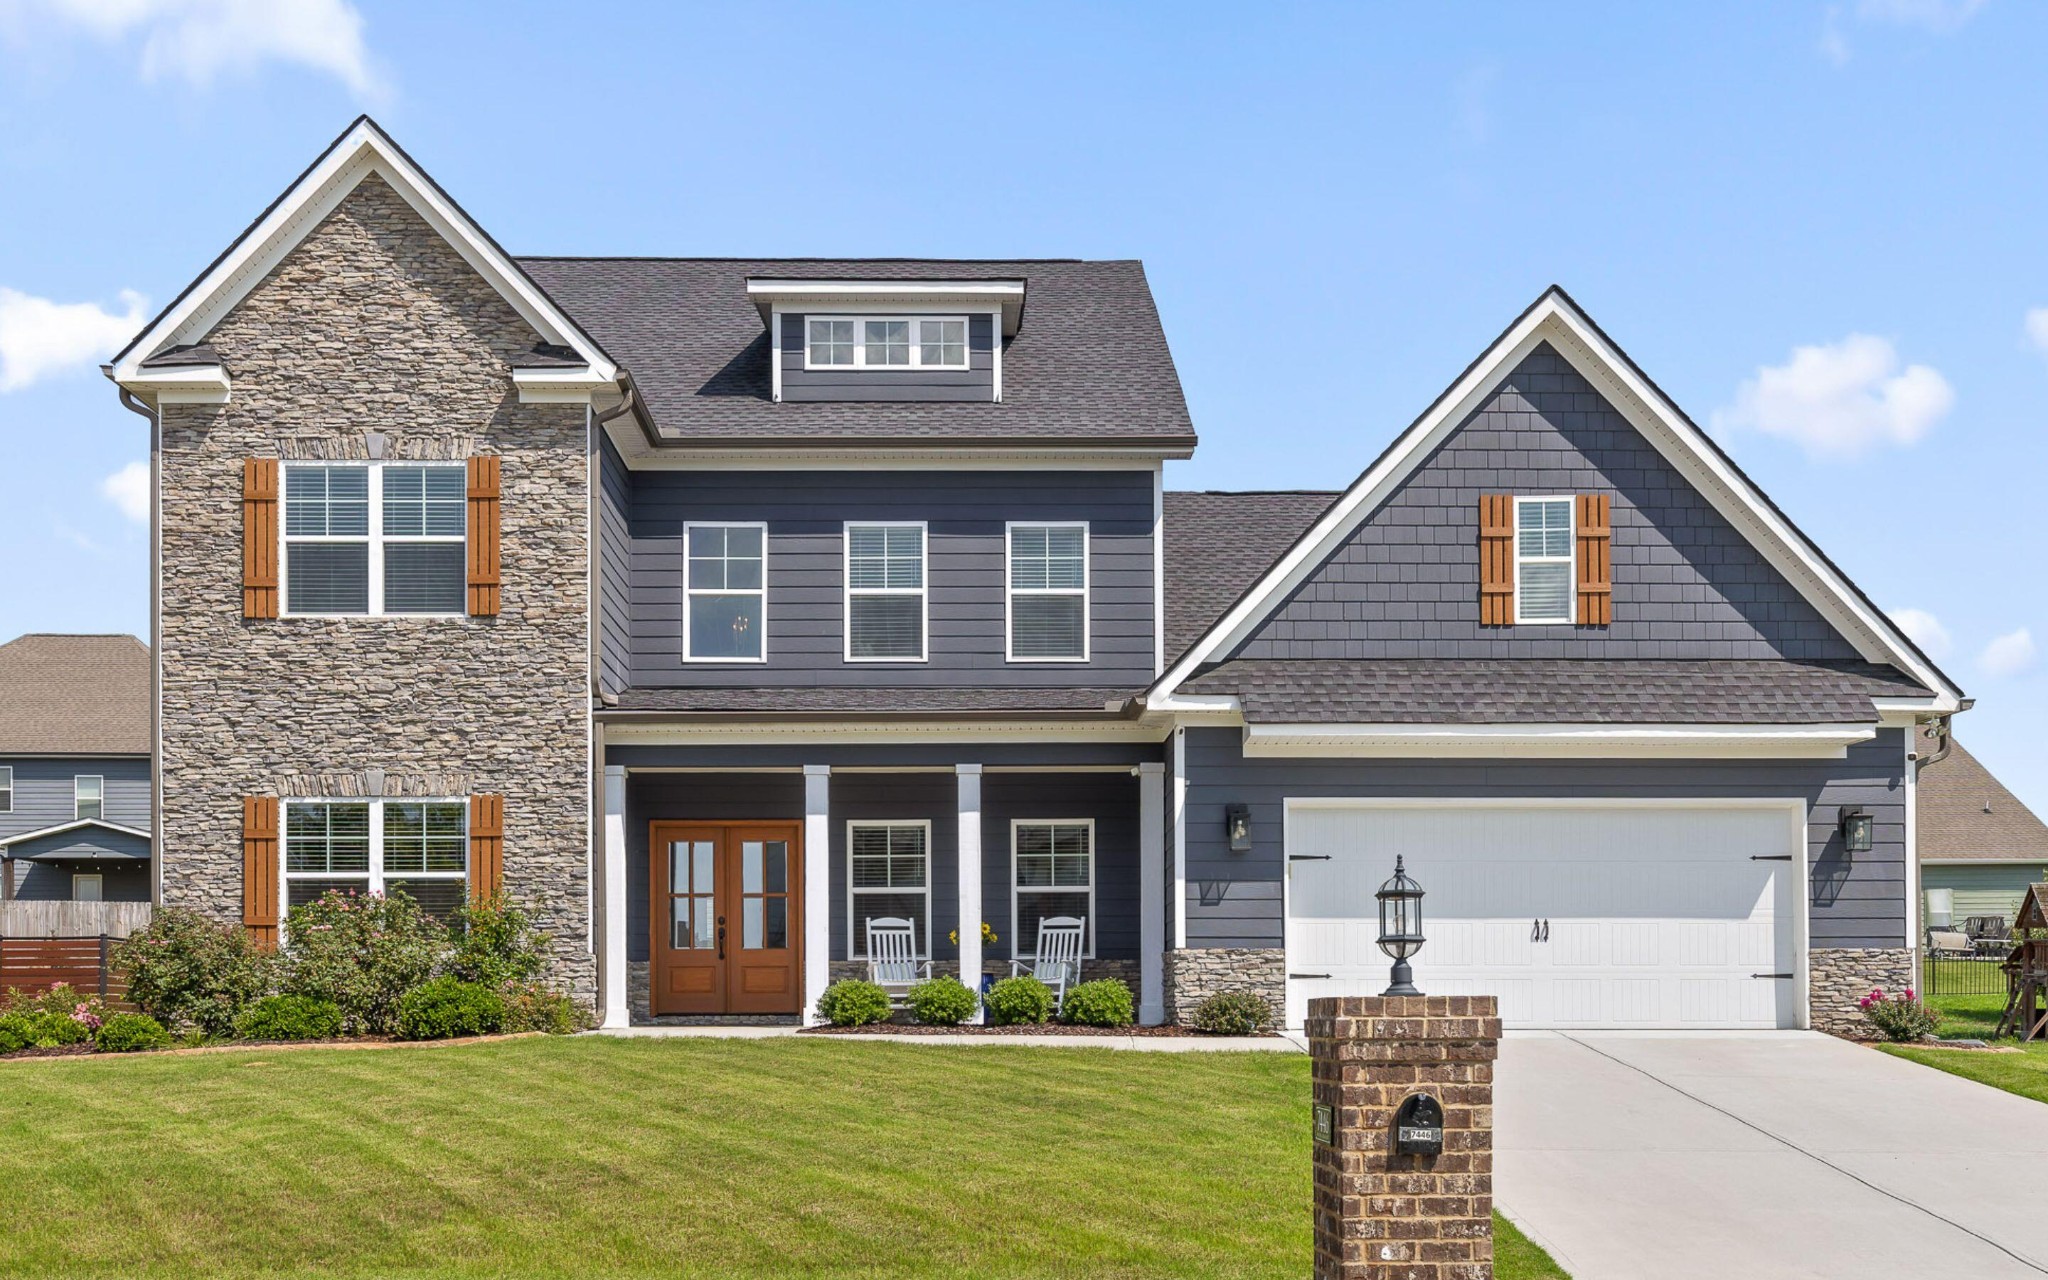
x=374 y=322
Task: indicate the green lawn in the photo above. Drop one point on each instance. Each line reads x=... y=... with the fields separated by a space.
x=663 y=1158
x=1976 y=1017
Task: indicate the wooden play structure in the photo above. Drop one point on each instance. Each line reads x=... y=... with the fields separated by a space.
x=2026 y=970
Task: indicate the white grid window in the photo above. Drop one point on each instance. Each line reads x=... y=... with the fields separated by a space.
x=1052 y=873
x=419 y=847
x=89 y=796
x=885 y=593
x=1543 y=559
x=889 y=876
x=885 y=342
x=725 y=598
x=375 y=538
x=6 y=788
x=1048 y=593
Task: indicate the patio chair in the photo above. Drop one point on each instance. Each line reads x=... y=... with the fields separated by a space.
x=1947 y=944
x=892 y=957
x=1058 y=962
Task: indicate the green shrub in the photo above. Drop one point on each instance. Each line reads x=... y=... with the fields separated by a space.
x=188 y=970
x=1233 y=1013
x=851 y=1002
x=1105 y=1002
x=1901 y=1017
x=14 y=1031
x=130 y=1033
x=944 y=1001
x=532 y=1007
x=290 y=1018
x=448 y=1007
x=1019 y=1001
x=62 y=998
x=361 y=953
x=496 y=944
x=40 y=1030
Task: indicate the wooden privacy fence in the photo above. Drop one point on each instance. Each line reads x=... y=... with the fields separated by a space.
x=34 y=965
x=20 y=919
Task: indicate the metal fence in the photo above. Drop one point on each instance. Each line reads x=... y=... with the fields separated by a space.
x=1950 y=976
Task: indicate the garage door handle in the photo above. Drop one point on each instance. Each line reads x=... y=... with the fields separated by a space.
x=1773 y=975
x=1770 y=857
x=1308 y=975
x=1308 y=857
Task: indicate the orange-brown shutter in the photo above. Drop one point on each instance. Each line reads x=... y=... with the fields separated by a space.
x=1496 y=560
x=259 y=537
x=486 y=847
x=259 y=870
x=1596 y=561
x=483 y=536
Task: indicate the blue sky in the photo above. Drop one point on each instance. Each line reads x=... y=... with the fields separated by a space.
x=1818 y=226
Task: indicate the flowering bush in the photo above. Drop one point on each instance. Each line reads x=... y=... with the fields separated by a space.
x=1899 y=1017
x=496 y=943
x=40 y=1029
x=186 y=969
x=361 y=953
x=63 y=999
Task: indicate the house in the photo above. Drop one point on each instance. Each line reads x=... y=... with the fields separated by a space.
x=1980 y=847
x=74 y=769
x=719 y=607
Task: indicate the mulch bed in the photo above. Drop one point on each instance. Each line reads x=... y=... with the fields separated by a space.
x=1042 y=1029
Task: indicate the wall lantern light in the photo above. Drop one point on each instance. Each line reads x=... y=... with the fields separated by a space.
x=1237 y=825
x=1857 y=826
x=1400 y=927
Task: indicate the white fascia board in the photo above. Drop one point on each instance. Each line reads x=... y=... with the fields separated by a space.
x=185 y=384
x=1555 y=320
x=743 y=732
x=561 y=385
x=63 y=827
x=1006 y=296
x=1671 y=741
x=365 y=149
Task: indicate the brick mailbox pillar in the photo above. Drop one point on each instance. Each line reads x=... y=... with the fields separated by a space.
x=1381 y=1214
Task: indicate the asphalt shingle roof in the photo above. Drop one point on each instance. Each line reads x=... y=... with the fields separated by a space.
x=1089 y=361
x=914 y=700
x=1553 y=691
x=74 y=695
x=1218 y=544
x=1965 y=812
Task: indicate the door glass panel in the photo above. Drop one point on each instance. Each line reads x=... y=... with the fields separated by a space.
x=705 y=924
x=679 y=923
x=777 y=859
x=778 y=923
x=702 y=855
x=678 y=868
x=750 y=924
x=750 y=868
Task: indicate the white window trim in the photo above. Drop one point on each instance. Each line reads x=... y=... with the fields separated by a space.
x=924 y=547
x=375 y=877
x=78 y=796
x=860 y=346
x=689 y=592
x=1011 y=591
x=1570 y=560
x=1088 y=934
x=96 y=877
x=376 y=538
x=6 y=788
x=856 y=947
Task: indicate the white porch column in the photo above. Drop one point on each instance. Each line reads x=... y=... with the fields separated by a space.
x=969 y=776
x=817 y=886
x=1151 y=893
x=617 y=1011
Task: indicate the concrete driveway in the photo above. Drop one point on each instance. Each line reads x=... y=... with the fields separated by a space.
x=1761 y=1155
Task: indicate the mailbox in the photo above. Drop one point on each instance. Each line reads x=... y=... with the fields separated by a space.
x=1419 y=1126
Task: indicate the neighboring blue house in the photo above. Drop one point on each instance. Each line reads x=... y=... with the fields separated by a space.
x=74 y=768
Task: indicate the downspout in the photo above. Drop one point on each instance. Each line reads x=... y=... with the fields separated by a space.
x=133 y=404
x=1945 y=735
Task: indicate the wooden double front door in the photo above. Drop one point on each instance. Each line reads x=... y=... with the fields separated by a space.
x=727 y=908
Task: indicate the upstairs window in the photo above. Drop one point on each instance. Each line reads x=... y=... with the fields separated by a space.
x=725 y=599
x=1543 y=559
x=375 y=538
x=885 y=342
x=89 y=796
x=1048 y=596
x=885 y=593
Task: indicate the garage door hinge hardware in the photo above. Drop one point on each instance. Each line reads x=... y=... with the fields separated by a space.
x=1770 y=857
x=1773 y=975
x=1308 y=857
x=1308 y=975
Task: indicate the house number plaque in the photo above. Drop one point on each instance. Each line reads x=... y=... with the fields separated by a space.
x=1419 y=1126
x=1326 y=1123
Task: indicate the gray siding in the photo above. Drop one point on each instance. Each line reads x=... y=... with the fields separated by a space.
x=1233 y=900
x=43 y=795
x=614 y=569
x=1686 y=583
x=977 y=382
x=966 y=511
x=51 y=882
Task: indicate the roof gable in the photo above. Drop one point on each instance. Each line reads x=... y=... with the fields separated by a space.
x=1554 y=319
x=1963 y=812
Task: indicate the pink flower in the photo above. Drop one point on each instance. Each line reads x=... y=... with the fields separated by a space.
x=1909 y=993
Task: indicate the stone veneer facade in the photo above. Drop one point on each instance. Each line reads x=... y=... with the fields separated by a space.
x=1194 y=974
x=1840 y=976
x=374 y=323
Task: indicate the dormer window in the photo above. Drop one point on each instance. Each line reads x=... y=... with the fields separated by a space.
x=886 y=342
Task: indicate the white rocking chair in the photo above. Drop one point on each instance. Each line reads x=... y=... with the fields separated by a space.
x=892 y=957
x=1058 y=962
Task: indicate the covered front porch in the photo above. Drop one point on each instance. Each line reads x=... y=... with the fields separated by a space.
x=737 y=882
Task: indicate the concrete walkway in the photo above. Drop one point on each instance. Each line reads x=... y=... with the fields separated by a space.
x=1764 y=1155
x=1290 y=1043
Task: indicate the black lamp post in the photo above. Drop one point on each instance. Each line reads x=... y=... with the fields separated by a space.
x=1400 y=927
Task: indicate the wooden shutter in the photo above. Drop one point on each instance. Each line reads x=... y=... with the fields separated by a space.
x=483 y=536
x=259 y=537
x=1496 y=560
x=486 y=847
x=259 y=870
x=1596 y=560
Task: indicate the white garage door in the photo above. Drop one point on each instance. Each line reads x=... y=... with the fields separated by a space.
x=1596 y=914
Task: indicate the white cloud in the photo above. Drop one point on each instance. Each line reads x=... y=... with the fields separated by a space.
x=40 y=337
x=2009 y=654
x=1925 y=630
x=197 y=40
x=1841 y=399
x=2037 y=328
x=128 y=489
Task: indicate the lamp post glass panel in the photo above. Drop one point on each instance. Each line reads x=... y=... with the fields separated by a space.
x=1400 y=927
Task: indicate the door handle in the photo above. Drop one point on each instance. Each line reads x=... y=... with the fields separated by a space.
x=1535 y=931
x=1546 y=928
x=721 y=937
